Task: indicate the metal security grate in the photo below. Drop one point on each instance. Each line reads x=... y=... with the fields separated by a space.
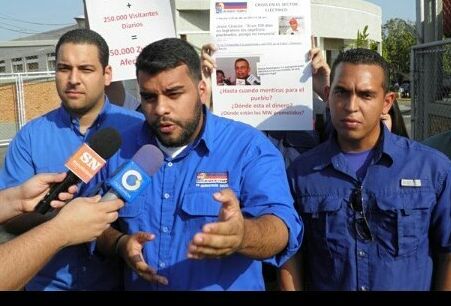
x=447 y=18
x=24 y=96
x=431 y=90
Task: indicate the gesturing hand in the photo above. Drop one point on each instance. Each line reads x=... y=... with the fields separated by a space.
x=130 y=248
x=220 y=238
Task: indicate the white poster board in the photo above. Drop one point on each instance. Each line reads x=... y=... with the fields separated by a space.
x=127 y=27
x=274 y=37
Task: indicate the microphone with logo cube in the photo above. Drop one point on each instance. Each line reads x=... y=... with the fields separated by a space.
x=132 y=177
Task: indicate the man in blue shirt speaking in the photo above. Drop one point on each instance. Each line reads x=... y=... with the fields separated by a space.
x=45 y=143
x=219 y=205
x=376 y=206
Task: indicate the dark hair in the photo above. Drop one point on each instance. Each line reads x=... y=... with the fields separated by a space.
x=89 y=37
x=221 y=72
x=398 y=126
x=169 y=53
x=363 y=56
x=242 y=60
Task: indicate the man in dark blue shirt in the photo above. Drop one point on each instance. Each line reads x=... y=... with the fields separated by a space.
x=376 y=206
x=221 y=188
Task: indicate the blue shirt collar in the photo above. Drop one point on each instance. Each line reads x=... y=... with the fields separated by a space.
x=68 y=119
x=385 y=151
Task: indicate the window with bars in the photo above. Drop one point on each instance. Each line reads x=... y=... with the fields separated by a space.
x=51 y=61
x=2 y=66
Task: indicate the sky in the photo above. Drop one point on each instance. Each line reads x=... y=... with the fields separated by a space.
x=19 y=18
x=404 y=9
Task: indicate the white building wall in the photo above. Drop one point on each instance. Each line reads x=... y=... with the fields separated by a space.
x=343 y=18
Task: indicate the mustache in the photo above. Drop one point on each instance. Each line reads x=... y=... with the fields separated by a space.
x=166 y=120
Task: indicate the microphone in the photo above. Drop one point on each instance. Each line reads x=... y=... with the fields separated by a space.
x=253 y=80
x=84 y=164
x=134 y=176
x=240 y=82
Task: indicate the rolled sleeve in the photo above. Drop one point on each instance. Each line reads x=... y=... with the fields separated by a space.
x=294 y=226
x=265 y=191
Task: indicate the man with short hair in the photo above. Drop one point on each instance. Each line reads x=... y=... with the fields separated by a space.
x=376 y=206
x=242 y=72
x=222 y=188
x=45 y=143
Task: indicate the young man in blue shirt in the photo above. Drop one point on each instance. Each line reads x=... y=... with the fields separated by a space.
x=376 y=206
x=220 y=203
x=45 y=143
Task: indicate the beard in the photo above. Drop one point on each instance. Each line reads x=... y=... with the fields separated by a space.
x=188 y=127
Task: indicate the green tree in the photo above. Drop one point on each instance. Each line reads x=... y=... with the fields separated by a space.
x=398 y=36
x=362 y=41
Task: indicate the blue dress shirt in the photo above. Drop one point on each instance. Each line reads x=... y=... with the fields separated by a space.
x=179 y=201
x=43 y=145
x=406 y=196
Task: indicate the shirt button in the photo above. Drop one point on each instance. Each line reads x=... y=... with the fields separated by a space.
x=362 y=254
x=162 y=265
x=363 y=288
x=166 y=195
x=165 y=229
x=169 y=164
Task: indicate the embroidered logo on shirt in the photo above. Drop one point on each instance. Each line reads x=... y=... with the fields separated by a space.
x=410 y=183
x=212 y=179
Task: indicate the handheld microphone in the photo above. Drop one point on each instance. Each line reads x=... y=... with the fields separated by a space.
x=133 y=176
x=240 y=82
x=84 y=164
x=253 y=80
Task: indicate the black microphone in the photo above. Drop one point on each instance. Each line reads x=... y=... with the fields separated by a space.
x=253 y=80
x=84 y=164
x=132 y=177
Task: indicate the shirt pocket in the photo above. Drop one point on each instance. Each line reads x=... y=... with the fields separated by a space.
x=131 y=216
x=402 y=222
x=197 y=209
x=133 y=209
x=325 y=221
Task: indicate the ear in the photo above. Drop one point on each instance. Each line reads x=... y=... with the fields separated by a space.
x=204 y=91
x=108 y=74
x=388 y=102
